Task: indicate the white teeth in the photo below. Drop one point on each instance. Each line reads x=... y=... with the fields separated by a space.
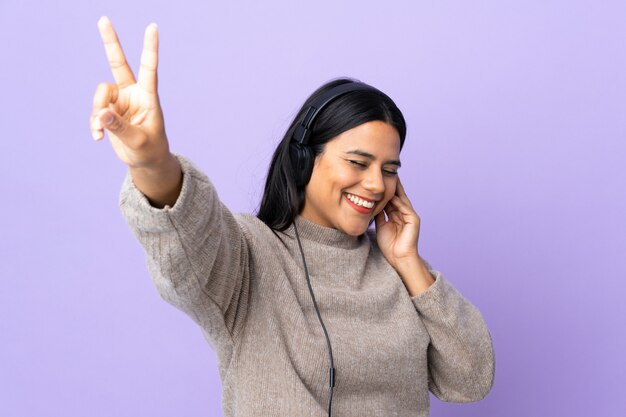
x=360 y=202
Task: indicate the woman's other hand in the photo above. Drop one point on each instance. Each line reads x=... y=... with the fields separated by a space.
x=397 y=237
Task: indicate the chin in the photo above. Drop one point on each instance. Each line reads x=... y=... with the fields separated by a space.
x=357 y=230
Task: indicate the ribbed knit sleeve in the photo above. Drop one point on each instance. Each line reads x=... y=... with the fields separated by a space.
x=196 y=252
x=461 y=361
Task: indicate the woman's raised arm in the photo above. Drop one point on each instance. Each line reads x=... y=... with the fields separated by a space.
x=130 y=111
x=197 y=252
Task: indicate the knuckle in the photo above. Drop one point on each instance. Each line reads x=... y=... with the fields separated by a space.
x=102 y=94
x=102 y=86
x=116 y=63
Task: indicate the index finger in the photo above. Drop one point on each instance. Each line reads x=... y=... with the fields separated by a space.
x=401 y=193
x=399 y=188
x=119 y=66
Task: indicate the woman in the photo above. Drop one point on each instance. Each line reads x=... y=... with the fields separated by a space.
x=303 y=294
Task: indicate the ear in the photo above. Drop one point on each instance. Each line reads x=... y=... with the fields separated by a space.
x=319 y=156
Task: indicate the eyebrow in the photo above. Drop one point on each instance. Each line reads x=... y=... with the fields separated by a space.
x=372 y=157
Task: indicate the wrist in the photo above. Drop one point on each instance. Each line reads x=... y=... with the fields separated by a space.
x=415 y=275
x=161 y=183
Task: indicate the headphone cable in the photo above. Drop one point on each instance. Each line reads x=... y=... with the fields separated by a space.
x=330 y=349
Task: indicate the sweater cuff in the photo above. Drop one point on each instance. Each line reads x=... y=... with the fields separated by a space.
x=140 y=214
x=433 y=300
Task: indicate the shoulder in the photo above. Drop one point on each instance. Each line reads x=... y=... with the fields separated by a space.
x=250 y=223
x=257 y=232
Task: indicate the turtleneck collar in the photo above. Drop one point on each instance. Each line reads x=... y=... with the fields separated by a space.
x=324 y=235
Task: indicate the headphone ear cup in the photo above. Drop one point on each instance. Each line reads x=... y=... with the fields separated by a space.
x=302 y=162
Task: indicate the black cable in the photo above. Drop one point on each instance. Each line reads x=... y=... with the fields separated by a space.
x=330 y=349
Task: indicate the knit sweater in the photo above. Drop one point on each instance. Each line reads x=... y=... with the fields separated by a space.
x=244 y=285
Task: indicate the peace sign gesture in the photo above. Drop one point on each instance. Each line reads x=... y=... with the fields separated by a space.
x=130 y=109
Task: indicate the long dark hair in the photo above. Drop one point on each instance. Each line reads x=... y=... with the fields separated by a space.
x=282 y=199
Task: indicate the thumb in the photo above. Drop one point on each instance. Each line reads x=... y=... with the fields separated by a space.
x=112 y=122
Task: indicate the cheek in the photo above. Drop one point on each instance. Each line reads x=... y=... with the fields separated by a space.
x=393 y=182
x=390 y=188
x=339 y=181
x=343 y=177
x=382 y=204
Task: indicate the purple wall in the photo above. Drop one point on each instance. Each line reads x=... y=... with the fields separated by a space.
x=514 y=160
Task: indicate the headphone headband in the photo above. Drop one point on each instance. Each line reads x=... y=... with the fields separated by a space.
x=303 y=129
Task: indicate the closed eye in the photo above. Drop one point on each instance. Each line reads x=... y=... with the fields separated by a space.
x=363 y=165
x=358 y=163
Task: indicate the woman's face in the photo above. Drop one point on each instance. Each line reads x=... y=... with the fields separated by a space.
x=353 y=178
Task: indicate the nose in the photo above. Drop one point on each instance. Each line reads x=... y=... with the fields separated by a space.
x=374 y=182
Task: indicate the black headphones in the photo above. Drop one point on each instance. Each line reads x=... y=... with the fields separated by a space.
x=301 y=154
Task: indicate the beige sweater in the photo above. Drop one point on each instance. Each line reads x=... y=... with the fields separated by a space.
x=244 y=285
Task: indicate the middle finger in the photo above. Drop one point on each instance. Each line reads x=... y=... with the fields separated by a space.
x=402 y=194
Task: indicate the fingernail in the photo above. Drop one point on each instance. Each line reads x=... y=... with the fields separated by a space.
x=107 y=119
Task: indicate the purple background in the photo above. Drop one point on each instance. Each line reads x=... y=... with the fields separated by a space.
x=514 y=160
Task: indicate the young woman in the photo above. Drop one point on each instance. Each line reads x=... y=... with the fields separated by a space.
x=310 y=312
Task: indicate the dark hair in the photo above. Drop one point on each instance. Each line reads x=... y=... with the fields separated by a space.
x=282 y=199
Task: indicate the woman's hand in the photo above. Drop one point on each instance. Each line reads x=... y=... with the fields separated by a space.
x=129 y=109
x=397 y=238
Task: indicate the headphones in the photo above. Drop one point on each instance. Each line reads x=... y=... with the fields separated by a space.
x=302 y=157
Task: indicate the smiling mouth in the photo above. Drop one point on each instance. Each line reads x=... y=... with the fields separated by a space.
x=360 y=204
